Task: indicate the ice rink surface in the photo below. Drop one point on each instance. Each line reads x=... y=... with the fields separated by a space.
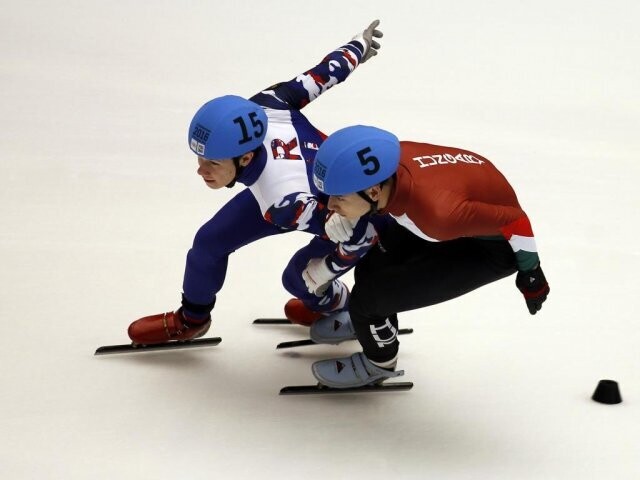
x=100 y=201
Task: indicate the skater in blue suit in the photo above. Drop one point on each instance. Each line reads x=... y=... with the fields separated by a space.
x=266 y=144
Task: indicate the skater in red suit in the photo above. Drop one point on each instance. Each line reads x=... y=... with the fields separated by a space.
x=459 y=227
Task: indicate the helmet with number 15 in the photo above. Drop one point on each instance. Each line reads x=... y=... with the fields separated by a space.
x=227 y=127
x=355 y=158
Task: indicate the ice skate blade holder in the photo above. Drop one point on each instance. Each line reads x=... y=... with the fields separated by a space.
x=156 y=347
x=323 y=389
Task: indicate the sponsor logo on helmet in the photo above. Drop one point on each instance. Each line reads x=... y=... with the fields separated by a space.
x=201 y=134
x=197 y=146
x=319 y=172
x=318 y=183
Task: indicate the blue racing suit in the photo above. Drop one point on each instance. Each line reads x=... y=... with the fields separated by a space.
x=280 y=197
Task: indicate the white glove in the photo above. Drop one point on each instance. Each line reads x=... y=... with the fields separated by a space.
x=371 y=46
x=338 y=228
x=317 y=275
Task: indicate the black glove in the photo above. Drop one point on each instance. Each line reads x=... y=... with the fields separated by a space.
x=534 y=287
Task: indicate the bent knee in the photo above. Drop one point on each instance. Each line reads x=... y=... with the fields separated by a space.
x=364 y=300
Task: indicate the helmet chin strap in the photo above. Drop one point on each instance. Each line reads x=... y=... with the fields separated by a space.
x=373 y=204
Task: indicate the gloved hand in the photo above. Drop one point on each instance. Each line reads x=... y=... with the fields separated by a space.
x=371 y=45
x=317 y=275
x=534 y=287
x=338 y=228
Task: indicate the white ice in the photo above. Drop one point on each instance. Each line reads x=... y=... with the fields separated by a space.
x=100 y=201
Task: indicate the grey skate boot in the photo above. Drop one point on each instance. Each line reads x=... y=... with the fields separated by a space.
x=333 y=329
x=349 y=372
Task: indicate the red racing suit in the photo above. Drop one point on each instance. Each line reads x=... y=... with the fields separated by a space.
x=444 y=193
x=460 y=228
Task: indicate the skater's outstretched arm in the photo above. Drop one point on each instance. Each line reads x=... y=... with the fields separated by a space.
x=298 y=92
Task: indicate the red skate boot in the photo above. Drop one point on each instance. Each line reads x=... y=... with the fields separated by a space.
x=165 y=327
x=296 y=312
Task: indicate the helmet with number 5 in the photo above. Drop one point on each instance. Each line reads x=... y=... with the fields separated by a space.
x=355 y=158
x=227 y=127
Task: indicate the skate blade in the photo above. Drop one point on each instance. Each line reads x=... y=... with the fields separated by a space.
x=272 y=321
x=323 y=389
x=304 y=343
x=175 y=345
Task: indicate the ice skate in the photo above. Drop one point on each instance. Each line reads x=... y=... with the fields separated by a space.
x=333 y=329
x=298 y=313
x=165 y=327
x=351 y=372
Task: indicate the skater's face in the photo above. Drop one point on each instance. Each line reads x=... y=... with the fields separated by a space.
x=352 y=206
x=219 y=173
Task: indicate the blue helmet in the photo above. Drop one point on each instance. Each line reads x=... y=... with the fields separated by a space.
x=227 y=127
x=355 y=158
